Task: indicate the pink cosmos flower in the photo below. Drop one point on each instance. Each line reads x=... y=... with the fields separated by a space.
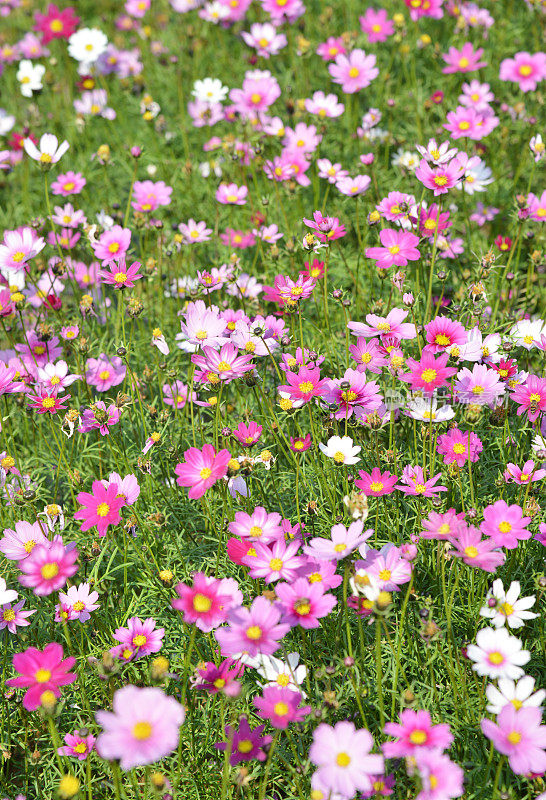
x=354 y=71
x=112 y=244
x=353 y=187
x=481 y=386
x=439 y=178
x=303 y=385
x=77 y=745
x=475 y=551
x=259 y=91
x=99 y=417
x=68 y=183
x=247 y=435
x=42 y=671
x=246 y=742
x=79 y=601
x=120 y=276
x=141 y=637
x=376 y=25
x=201 y=469
x=368 y=355
x=104 y=372
x=231 y=194
x=325 y=105
x=389 y=568
x=12 y=616
x=376 y=483
x=47 y=401
x=203 y=603
x=260 y=526
x=505 y=524
x=414 y=482
x=459 y=447
x=442 y=333
x=194 y=232
x=525 y=69
x=464 y=60
x=19 y=247
x=100 y=508
x=342 y=541
x=531 y=397
x=443 y=526
x=441 y=779
x=399 y=247
x=425 y=8
x=519 y=735
x=524 y=475
x=392 y=326
x=265 y=39
x=357 y=395
x=414 y=732
x=280 y=706
x=342 y=755
x=252 y=630
x=143 y=727
x=224 y=365
x=148 y=196
x=332 y=47
x=274 y=562
x=48 y=567
x=304 y=603
x=18 y=544
x=431 y=220
x=429 y=373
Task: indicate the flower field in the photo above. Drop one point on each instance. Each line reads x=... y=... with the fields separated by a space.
x=272 y=400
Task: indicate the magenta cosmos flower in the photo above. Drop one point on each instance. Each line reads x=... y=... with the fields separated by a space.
x=255 y=630
x=523 y=475
x=342 y=755
x=531 y=397
x=304 y=603
x=376 y=483
x=101 y=507
x=519 y=735
x=525 y=69
x=203 y=603
x=354 y=71
x=201 y=469
x=48 y=567
x=143 y=727
x=505 y=524
x=459 y=447
x=55 y=24
x=280 y=706
x=414 y=731
x=246 y=743
x=304 y=384
x=399 y=247
x=440 y=178
x=42 y=671
x=276 y=561
x=77 y=745
x=464 y=60
x=442 y=332
x=260 y=526
x=429 y=373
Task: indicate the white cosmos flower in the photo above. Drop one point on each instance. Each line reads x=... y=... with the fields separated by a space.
x=290 y=673
x=30 y=77
x=519 y=694
x=49 y=151
x=210 y=90
x=527 y=332
x=87 y=44
x=497 y=654
x=7 y=121
x=6 y=595
x=505 y=608
x=425 y=410
x=341 y=449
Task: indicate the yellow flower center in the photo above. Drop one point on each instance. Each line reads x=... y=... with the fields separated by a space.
x=139 y=640
x=245 y=746
x=353 y=72
x=49 y=571
x=428 y=375
x=505 y=527
x=254 y=632
x=281 y=709
x=142 y=731
x=103 y=509
x=306 y=386
x=78 y=606
x=343 y=759
x=471 y=551
x=496 y=658
x=42 y=676
x=80 y=748
x=418 y=736
x=376 y=486
x=514 y=737
x=276 y=564
x=459 y=448
x=339 y=457
x=202 y=603
x=205 y=473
